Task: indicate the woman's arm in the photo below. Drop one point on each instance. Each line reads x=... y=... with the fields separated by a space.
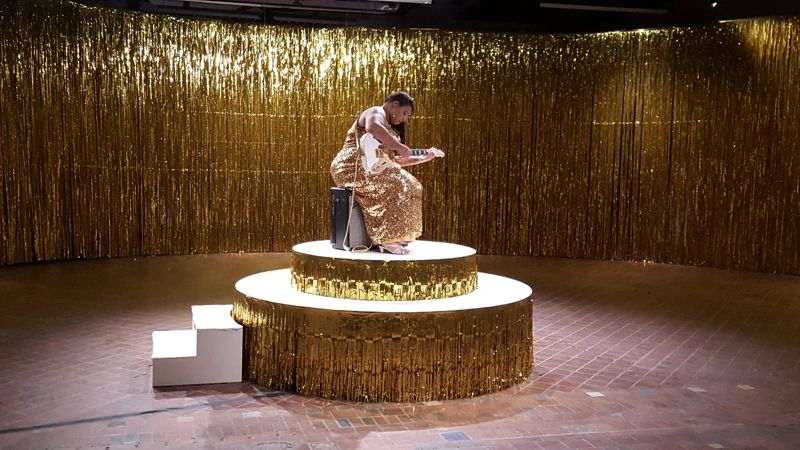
x=374 y=118
x=411 y=160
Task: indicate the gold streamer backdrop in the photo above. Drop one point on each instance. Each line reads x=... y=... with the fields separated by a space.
x=130 y=134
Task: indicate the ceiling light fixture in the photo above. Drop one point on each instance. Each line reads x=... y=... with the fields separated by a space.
x=603 y=8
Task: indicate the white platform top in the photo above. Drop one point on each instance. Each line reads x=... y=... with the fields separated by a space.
x=213 y=317
x=420 y=250
x=275 y=286
x=174 y=344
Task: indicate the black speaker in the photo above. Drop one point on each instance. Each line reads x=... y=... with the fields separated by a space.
x=340 y=208
x=357 y=237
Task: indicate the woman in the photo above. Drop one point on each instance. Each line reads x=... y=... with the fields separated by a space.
x=391 y=199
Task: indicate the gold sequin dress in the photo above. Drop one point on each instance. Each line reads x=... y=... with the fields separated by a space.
x=391 y=200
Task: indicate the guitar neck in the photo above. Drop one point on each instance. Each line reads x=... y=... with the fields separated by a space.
x=419 y=151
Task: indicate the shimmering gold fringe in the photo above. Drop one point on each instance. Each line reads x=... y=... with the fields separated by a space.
x=131 y=134
x=386 y=357
x=384 y=280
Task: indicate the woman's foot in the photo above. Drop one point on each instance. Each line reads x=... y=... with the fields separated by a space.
x=394 y=248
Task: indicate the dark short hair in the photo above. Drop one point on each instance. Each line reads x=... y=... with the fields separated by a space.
x=403 y=99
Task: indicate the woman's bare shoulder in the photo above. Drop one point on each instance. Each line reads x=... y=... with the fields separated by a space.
x=362 y=119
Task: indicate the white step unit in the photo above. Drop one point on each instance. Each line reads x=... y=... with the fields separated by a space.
x=211 y=352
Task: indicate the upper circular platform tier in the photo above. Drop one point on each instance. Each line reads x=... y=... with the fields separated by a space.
x=432 y=270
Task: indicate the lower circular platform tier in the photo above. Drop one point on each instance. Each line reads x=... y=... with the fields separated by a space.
x=432 y=270
x=376 y=351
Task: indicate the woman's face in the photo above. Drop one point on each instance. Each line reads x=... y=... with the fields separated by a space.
x=400 y=114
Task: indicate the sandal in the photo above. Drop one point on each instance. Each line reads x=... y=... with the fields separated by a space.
x=394 y=248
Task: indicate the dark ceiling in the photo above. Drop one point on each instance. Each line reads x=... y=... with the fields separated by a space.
x=551 y=16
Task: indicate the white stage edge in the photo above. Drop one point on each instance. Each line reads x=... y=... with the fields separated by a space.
x=420 y=251
x=211 y=352
x=275 y=286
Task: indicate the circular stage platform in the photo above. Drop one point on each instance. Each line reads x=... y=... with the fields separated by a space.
x=431 y=270
x=378 y=350
x=273 y=286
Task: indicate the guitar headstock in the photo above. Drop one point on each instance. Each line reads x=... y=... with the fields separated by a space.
x=436 y=152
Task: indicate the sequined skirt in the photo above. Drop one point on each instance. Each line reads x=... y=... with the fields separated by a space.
x=391 y=200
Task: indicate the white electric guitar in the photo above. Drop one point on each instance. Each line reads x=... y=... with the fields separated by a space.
x=376 y=160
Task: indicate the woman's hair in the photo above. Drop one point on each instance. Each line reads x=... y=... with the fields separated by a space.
x=403 y=99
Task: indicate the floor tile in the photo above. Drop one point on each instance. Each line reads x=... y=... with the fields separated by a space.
x=455 y=436
x=75 y=363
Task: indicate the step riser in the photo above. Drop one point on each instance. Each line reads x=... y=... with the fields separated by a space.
x=218 y=360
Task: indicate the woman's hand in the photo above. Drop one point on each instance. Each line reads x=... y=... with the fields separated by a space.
x=412 y=160
x=402 y=150
x=397 y=152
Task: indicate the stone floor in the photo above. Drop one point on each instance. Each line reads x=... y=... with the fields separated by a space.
x=627 y=356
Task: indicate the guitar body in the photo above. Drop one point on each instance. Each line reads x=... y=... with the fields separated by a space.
x=376 y=160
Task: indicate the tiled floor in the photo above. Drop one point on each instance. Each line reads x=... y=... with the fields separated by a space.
x=628 y=356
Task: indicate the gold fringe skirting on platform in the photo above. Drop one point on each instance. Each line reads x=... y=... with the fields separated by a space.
x=384 y=280
x=386 y=357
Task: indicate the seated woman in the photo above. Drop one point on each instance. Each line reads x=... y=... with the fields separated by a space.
x=391 y=199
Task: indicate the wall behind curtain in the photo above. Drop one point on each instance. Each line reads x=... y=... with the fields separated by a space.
x=129 y=134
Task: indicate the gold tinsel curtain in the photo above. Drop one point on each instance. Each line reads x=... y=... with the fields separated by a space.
x=131 y=134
